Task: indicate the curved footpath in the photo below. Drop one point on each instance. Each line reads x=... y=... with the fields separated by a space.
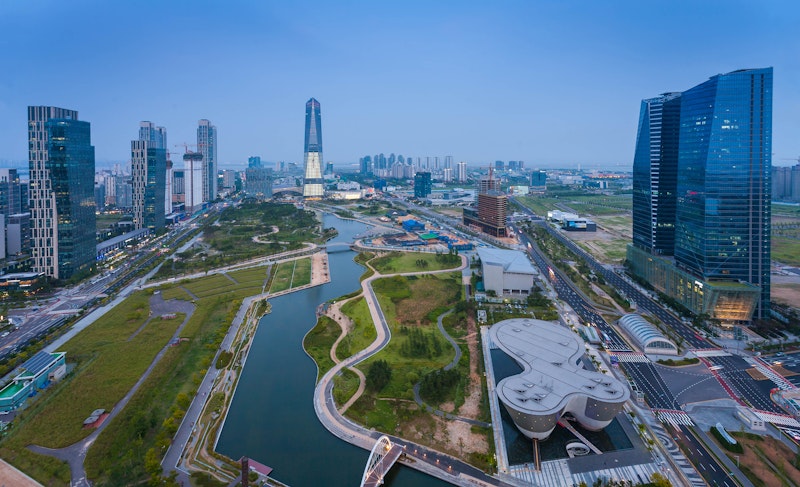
x=424 y=459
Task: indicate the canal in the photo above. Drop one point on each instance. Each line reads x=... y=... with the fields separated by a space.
x=272 y=418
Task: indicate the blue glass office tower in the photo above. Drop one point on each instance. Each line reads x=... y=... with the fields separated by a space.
x=61 y=163
x=722 y=196
x=312 y=181
x=655 y=174
x=149 y=176
x=724 y=162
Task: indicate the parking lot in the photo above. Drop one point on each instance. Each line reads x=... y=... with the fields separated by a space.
x=790 y=362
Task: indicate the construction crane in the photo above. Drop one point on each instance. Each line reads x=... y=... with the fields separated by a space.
x=178 y=154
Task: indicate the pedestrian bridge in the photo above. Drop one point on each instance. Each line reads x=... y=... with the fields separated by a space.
x=384 y=454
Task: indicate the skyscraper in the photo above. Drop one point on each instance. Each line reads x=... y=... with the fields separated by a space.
x=722 y=204
x=422 y=184
x=61 y=164
x=312 y=181
x=461 y=172
x=655 y=170
x=207 y=146
x=148 y=176
x=194 y=178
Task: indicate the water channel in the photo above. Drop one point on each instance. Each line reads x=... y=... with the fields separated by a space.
x=272 y=419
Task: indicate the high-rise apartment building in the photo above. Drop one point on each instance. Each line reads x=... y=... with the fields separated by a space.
x=312 y=180
x=786 y=183
x=61 y=165
x=461 y=172
x=10 y=192
x=148 y=176
x=722 y=205
x=422 y=184
x=655 y=174
x=194 y=178
x=207 y=146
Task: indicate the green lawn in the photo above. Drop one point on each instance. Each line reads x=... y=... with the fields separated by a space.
x=108 y=361
x=395 y=262
x=302 y=273
x=174 y=292
x=344 y=386
x=318 y=343
x=786 y=250
x=283 y=277
x=250 y=277
x=363 y=332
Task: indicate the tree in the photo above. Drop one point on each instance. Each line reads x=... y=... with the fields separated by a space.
x=658 y=480
x=378 y=375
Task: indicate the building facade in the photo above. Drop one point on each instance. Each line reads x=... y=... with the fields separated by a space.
x=722 y=217
x=193 y=180
x=422 y=184
x=655 y=174
x=258 y=182
x=461 y=172
x=207 y=146
x=61 y=166
x=312 y=168
x=149 y=176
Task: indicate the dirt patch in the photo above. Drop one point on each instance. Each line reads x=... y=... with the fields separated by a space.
x=788 y=294
x=427 y=293
x=447 y=407
x=471 y=407
x=759 y=454
x=11 y=476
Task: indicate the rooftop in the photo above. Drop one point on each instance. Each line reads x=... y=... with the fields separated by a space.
x=549 y=355
x=511 y=260
x=39 y=362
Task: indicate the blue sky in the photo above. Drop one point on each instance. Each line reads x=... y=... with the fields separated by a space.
x=553 y=83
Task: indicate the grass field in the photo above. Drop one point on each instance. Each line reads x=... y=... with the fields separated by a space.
x=786 y=251
x=250 y=277
x=318 y=343
x=283 y=277
x=175 y=292
x=395 y=262
x=107 y=364
x=302 y=273
x=363 y=332
x=407 y=370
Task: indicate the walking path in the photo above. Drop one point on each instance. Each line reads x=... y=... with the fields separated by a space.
x=427 y=460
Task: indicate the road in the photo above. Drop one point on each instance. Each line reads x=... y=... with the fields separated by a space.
x=713 y=473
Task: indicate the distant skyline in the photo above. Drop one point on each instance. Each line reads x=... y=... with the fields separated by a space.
x=555 y=84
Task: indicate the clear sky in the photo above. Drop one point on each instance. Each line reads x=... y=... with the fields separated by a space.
x=553 y=83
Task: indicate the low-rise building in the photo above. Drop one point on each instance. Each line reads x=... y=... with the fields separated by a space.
x=35 y=374
x=506 y=272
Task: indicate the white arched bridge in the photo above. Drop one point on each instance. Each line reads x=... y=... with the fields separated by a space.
x=384 y=454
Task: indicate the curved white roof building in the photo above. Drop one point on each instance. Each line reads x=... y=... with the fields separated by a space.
x=554 y=381
x=650 y=338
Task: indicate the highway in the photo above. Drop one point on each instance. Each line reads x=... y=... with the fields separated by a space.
x=643 y=301
x=713 y=473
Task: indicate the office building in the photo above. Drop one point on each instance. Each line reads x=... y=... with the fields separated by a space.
x=193 y=181
x=538 y=182
x=168 y=187
x=312 y=176
x=258 y=182
x=461 y=172
x=492 y=207
x=178 y=189
x=422 y=184
x=207 y=147
x=18 y=234
x=148 y=177
x=655 y=174
x=722 y=217
x=61 y=166
x=11 y=195
x=553 y=381
x=254 y=161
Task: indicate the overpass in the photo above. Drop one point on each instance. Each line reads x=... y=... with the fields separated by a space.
x=383 y=455
x=287 y=191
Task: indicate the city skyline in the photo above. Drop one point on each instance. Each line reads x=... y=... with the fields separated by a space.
x=482 y=82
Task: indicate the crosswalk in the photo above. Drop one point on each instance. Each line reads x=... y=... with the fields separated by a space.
x=676 y=418
x=556 y=473
x=779 y=380
x=780 y=419
x=678 y=458
x=710 y=352
x=632 y=357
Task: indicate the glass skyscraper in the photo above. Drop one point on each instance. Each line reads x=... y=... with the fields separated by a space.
x=724 y=162
x=207 y=146
x=149 y=176
x=722 y=195
x=61 y=163
x=655 y=174
x=312 y=181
